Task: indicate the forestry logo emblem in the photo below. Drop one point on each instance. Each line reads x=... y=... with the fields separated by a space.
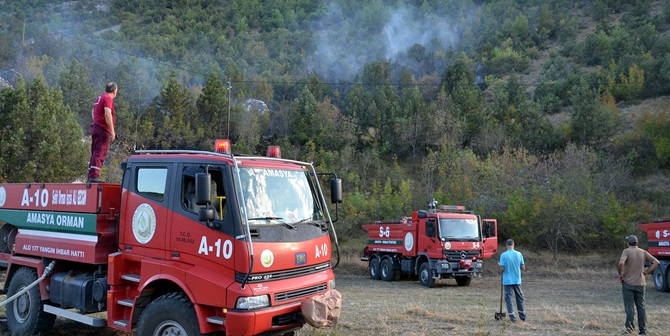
x=144 y=223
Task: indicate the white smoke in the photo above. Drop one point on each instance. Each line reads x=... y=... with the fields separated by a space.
x=343 y=45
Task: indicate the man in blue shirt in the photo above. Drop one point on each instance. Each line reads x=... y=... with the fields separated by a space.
x=511 y=264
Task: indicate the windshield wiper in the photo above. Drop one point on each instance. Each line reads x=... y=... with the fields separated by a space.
x=279 y=219
x=264 y=218
x=310 y=221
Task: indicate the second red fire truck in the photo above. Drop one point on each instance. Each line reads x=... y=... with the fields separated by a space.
x=444 y=242
x=658 y=238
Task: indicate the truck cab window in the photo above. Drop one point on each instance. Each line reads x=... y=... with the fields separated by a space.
x=151 y=182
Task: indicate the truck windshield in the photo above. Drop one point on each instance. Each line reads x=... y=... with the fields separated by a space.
x=277 y=196
x=465 y=229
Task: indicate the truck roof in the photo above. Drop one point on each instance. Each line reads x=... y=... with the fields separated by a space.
x=191 y=156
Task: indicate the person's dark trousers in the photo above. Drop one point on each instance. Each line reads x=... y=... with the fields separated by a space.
x=634 y=296
x=518 y=295
x=99 y=147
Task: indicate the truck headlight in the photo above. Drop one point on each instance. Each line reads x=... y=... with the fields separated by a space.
x=253 y=302
x=331 y=284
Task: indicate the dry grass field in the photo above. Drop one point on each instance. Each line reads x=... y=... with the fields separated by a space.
x=579 y=295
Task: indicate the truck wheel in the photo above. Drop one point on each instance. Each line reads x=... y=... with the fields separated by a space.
x=25 y=315
x=374 y=268
x=386 y=270
x=7 y=237
x=396 y=274
x=170 y=314
x=425 y=276
x=463 y=280
x=660 y=280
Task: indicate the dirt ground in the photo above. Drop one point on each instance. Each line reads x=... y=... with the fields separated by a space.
x=573 y=305
x=555 y=306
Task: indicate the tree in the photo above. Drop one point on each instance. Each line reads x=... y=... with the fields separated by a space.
x=212 y=107
x=412 y=125
x=624 y=86
x=78 y=94
x=467 y=106
x=462 y=68
x=591 y=123
x=335 y=132
x=560 y=223
x=41 y=140
x=305 y=118
x=171 y=114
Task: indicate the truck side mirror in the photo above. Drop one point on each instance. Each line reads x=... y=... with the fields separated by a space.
x=430 y=228
x=203 y=188
x=206 y=214
x=335 y=190
x=488 y=229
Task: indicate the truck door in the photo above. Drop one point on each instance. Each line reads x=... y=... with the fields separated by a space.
x=430 y=243
x=189 y=235
x=490 y=234
x=146 y=219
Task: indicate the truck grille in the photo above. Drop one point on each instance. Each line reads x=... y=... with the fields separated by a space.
x=298 y=293
x=286 y=319
x=285 y=274
x=459 y=255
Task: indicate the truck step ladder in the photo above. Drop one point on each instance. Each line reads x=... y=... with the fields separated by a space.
x=125 y=302
x=121 y=323
x=131 y=277
x=216 y=320
x=70 y=315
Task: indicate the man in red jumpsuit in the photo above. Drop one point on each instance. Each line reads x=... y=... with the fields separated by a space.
x=102 y=130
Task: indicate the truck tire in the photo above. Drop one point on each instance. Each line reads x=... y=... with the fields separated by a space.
x=374 y=269
x=170 y=314
x=463 y=280
x=397 y=274
x=25 y=315
x=425 y=276
x=386 y=270
x=660 y=280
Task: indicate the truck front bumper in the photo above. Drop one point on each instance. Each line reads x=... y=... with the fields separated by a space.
x=269 y=321
x=447 y=267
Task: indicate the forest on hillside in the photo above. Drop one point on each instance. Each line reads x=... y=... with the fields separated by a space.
x=552 y=116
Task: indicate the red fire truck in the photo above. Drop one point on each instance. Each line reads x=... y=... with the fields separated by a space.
x=190 y=243
x=449 y=242
x=658 y=237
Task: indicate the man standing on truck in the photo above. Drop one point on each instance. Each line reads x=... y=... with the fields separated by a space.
x=511 y=264
x=102 y=130
x=633 y=282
